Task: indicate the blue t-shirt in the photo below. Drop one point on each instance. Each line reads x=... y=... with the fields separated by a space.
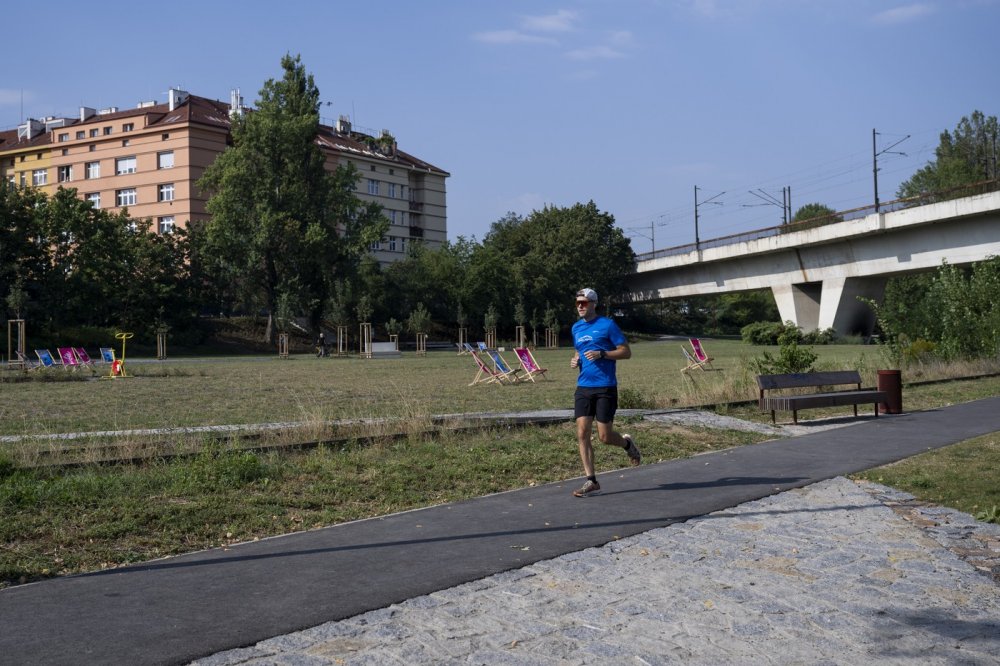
x=597 y=334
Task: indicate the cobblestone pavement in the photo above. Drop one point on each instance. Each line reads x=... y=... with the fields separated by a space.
x=834 y=573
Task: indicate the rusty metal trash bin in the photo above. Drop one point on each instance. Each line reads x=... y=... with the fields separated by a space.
x=891 y=382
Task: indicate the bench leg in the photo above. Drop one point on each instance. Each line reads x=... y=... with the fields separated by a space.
x=855 y=411
x=876 y=410
x=772 y=417
x=795 y=417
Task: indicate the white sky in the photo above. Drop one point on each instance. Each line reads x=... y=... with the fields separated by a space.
x=630 y=103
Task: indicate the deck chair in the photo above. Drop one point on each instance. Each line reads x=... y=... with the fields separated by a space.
x=503 y=369
x=107 y=355
x=486 y=374
x=531 y=367
x=699 y=354
x=45 y=358
x=83 y=357
x=26 y=363
x=482 y=346
x=68 y=358
x=691 y=363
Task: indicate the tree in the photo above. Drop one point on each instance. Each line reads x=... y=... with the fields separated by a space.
x=969 y=155
x=815 y=210
x=547 y=256
x=281 y=222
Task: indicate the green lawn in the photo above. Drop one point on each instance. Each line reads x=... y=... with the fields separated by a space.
x=190 y=392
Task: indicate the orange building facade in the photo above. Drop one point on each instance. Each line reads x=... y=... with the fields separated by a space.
x=148 y=159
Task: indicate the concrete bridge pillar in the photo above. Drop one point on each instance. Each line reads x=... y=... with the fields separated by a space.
x=799 y=303
x=832 y=303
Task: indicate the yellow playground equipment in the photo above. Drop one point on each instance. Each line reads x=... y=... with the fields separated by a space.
x=118 y=365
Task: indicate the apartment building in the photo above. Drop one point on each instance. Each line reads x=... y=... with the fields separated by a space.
x=148 y=159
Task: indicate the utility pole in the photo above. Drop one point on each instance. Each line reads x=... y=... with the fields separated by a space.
x=770 y=200
x=697 y=239
x=875 y=160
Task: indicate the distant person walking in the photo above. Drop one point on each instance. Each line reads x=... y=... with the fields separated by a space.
x=599 y=345
x=321 y=345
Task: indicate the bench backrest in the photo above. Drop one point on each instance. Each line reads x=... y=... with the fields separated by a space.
x=803 y=379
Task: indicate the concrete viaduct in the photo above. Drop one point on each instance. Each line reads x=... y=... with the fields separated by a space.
x=816 y=274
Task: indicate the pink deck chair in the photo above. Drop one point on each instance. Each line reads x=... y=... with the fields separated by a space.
x=530 y=365
x=68 y=358
x=699 y=354
x=82 y=356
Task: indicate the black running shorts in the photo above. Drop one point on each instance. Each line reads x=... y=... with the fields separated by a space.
x=599 y=402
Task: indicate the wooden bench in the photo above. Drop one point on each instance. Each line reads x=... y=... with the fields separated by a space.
x=793 y=402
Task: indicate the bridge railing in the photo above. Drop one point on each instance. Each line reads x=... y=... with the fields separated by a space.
x=922 y=199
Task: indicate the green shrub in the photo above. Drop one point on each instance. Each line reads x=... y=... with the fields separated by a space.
x=630 y=398
x=790 y=359
x=762 y=332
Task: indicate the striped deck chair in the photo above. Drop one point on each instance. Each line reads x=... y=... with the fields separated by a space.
x=486 y=374
x=503 y=369
x=45 y=358
x=528 y=362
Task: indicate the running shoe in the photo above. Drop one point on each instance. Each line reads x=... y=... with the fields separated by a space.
x=589 y=488
x=632 y=450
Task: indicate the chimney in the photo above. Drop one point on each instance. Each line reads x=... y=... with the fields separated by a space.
x=343 y=125
x=176 y=97
x=86 y=112
x=235 y=103
x=30 y=128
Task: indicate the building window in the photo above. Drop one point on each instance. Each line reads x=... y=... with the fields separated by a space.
x=392 y=243
x=23 y=178
x=107 y=131
x=372 y=186
x=392 y=190
x=81 y=134
x=164 y=136
x=65 y=152
x=392 y=217
x=373 y=167
x=124 y=143
x=125 y=197
x=124 y=165
x=166 y=192
x=95 y=199
x=391 y=172
x=166 y=225
x=65 y=173
x=128 y=127
x=64 y=137
x=93 y=170
x=39 y=177
x=93 y=148
x=94 y=131
x=165 y=160
x=375 y=246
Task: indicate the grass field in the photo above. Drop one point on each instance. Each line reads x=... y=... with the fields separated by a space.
x=194 y=392
x=59 y=521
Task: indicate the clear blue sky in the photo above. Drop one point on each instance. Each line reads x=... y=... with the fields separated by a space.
x=630 y=103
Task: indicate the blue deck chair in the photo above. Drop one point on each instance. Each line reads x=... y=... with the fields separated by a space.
x=503 y=369
x=45 y=358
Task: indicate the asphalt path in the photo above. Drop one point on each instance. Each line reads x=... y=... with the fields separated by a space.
x=175 y=610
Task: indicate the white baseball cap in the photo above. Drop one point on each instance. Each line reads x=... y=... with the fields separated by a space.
x=587 y=294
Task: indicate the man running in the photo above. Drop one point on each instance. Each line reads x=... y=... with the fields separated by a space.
x=599 y=344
